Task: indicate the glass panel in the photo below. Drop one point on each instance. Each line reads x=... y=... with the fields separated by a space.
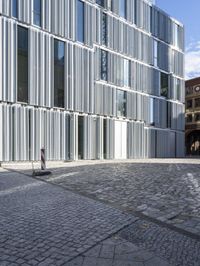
x=121 y=103
x=189 y=90
x=126 y=73
x=80 y=21
x=151 y=116
x=105 y=138
x=164 y=85
x=189 y=118
x=15 y=8
x=189 y=104
x=22 y=94
x=176 y=30
x=155 y=53
x=178 y=88
x=68 y=140
x=80 y=136
x=37 y=12
x=59 y=61
x=197 y=102
x=100 y=2
x=169 y=114
x=122 y=8
x=104 y=29
x=197 y=117
x=104 y=65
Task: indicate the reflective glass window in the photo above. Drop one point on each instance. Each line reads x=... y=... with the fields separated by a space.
x=59 y=61
x=22 y=65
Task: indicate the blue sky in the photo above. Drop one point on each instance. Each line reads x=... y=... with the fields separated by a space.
x=188 y=13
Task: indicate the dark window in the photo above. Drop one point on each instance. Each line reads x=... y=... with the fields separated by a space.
x=197 y=117
x=104 y=65
x=189 y=104
x=121 y=103
x=15 y=8
x=189 y=118
x=68 y=138
x=169 y=114
x=80 y=21
x=100 y=2
x=122 y=8
x=164 y=84
x=104 y=29
x=197 y=102
x=80 y=136
x=37 y=12
x=105 y=138
x=59 y=61
x=22 y=94
x=189 y=90
x=151 y=20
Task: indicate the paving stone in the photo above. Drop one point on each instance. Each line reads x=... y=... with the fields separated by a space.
x=125 y=248
x=164 y=191
x=170 y=246
x=107 y=251
x=76 y=262
x=46 y=220
x=127 y=263
x=94 y=252
x=156 y=262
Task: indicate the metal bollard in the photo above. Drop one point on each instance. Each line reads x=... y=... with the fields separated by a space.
x=43 y=160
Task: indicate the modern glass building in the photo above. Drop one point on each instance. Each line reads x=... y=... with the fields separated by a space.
x=90 y=80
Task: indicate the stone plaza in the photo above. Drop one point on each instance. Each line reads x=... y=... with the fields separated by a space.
x=113 y=213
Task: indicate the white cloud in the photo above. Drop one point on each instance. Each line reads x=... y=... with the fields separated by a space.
x=192 y=60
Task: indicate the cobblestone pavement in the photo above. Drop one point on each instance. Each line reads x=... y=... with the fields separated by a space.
x=42 y=224
x=176 y=248
x=117 y=251
x=120 y=215
x=166 y=192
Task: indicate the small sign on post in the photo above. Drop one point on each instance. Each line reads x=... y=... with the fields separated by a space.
x=43 y=159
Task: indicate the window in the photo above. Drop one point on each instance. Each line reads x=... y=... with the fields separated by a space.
x=178 y=89
x=121 y=103
x=22 y=65
x=197 y=117
x=122 y=8
x=126 y=73
x=164 y=85
x=37 y=12
x=155 y=53
x=100 y=2
x=169 y=115
x=189 y=104
x=104 y=65
x=104 y=29
x=15 y=8
x=80 y=137
x=151 y=109
x=105 y=138
x=176 y=30
x=80 y=21
x=59 y=59
x=189 y=118
x=197 y=103
x=189 y=90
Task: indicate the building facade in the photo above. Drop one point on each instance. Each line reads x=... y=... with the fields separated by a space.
x=192 y=117
x=90 y=79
